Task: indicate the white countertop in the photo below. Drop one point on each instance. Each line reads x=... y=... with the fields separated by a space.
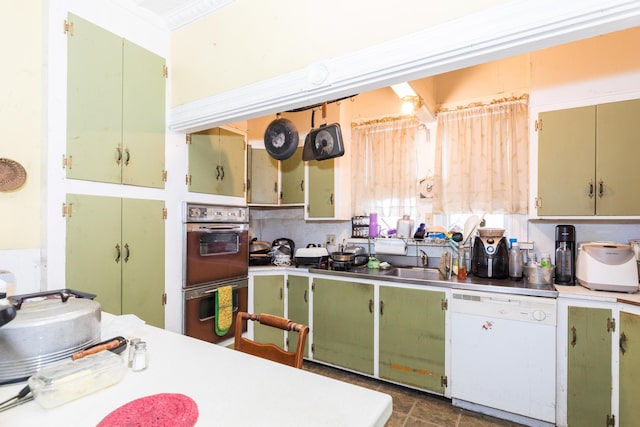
x=229 y=387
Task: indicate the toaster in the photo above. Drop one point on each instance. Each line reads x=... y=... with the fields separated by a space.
x=607 y=266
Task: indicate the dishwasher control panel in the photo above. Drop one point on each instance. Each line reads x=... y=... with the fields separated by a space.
x=505 y=306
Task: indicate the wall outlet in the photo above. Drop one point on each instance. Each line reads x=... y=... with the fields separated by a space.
x=331 y=239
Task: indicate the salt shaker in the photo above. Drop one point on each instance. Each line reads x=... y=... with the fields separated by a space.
x=132 y=349
x=139 y=362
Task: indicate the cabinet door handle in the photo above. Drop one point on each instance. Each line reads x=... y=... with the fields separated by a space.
x=574 y=336
x=302 y=185
x=331 y=199
x=370 y=306
x=275 y=187
x=118 y=253
x=127 y=157
x=126 y=252
x=591 y=189
x=306 y=295
x=119 y=156
x=217 y=172
x=600 y=188
x=381 y=307
x=623 y=343
x=281 y=294
x=222 y=169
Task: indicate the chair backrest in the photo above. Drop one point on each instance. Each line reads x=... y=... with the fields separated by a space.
x=271 y=351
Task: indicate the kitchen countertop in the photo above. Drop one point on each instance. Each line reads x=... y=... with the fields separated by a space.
x=229 y=387
x=505 y=286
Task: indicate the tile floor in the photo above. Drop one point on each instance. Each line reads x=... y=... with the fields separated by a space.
x=412 y=408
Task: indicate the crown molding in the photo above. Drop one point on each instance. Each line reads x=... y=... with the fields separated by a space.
x=510 y=29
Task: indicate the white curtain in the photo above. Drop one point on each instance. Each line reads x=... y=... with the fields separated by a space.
x=482 y=159
x=383 y=167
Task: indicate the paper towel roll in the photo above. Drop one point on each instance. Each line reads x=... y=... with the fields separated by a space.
x=391 y=247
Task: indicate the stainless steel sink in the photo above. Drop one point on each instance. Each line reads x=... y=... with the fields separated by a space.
x=415 y=273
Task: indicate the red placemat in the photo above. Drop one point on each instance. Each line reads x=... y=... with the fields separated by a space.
x=158 y=410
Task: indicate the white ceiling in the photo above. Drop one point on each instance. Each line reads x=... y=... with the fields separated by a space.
x=173 y=14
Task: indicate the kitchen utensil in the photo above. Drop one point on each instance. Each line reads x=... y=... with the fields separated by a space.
x=326 y=142
x=607 y=266
x=48 y=326
x=260 y=252
x=281 y=139
x=360 y=256
x=470 y=227
x=311 y=255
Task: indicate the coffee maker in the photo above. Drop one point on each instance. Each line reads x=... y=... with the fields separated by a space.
x=490 y=257
x=566 y=271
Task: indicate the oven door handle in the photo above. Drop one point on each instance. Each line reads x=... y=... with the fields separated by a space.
x=217 y=227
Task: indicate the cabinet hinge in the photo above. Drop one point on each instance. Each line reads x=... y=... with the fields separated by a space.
x=164 y=298
x=313 y=286
x=445 y=304
x=164 y=176
x=67 y=162
x=313 y=348
x=248 y=185
x=188 y=179
x=188 y=138
x=244 y=187
x=611 y=420
x=67 y=28
x=538 y=125
x=164 y=213
x=165 y=71
x=444 y=381
x=611 y=325
x=67 y=210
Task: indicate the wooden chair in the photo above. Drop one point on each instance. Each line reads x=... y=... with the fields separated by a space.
x=271 y=351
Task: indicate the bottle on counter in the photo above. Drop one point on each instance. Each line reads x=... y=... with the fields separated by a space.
x=515 y=262
x=563 y=263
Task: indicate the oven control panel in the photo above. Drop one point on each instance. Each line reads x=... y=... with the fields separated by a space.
x=215 y=213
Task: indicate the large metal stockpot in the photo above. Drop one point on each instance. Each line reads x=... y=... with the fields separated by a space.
x=46 y=330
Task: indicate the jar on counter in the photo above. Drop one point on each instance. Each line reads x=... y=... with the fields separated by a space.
x=405 y=227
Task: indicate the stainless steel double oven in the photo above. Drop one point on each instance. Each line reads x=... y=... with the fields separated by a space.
x=216 y=254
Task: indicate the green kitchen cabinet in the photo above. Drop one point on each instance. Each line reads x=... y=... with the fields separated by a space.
x=263 y=177
x=292 y=179
x=586 y=160
x=321 y=192
x=217 y=162
x=268 y=297
x=115 y=250
x=275 y=182
x=298 y=306
x=412 y=337
x=629 y=369
x=343 y=324
x=115 y=109
x=589 y=378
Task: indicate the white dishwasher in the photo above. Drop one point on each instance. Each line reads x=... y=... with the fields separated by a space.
x=503 y=355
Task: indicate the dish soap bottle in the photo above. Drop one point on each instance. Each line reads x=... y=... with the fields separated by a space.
x=515 y=262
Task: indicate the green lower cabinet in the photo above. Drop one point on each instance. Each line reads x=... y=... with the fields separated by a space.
x=589 y=366
x=115 y=250
x=343 y=322
x=298 y=307
x=268 y=297
x=629 y=410
x=412 y=337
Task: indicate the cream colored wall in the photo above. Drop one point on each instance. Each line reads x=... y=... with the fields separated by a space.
x=21 y=120
x=237 y=46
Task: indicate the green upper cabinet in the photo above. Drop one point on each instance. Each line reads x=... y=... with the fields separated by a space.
x=263 y=177
x=216 y=162
x=589 y=379
x=586 y=160
x=322 y=198
x=275 y=182
x=343 y=324
x=115 y=250
x=115 y=109
x=412 y=337
x=292 y=181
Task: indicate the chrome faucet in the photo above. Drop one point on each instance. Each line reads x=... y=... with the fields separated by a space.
x=424 y=258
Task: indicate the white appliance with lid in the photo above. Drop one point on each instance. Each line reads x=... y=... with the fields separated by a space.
x=607 y=266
